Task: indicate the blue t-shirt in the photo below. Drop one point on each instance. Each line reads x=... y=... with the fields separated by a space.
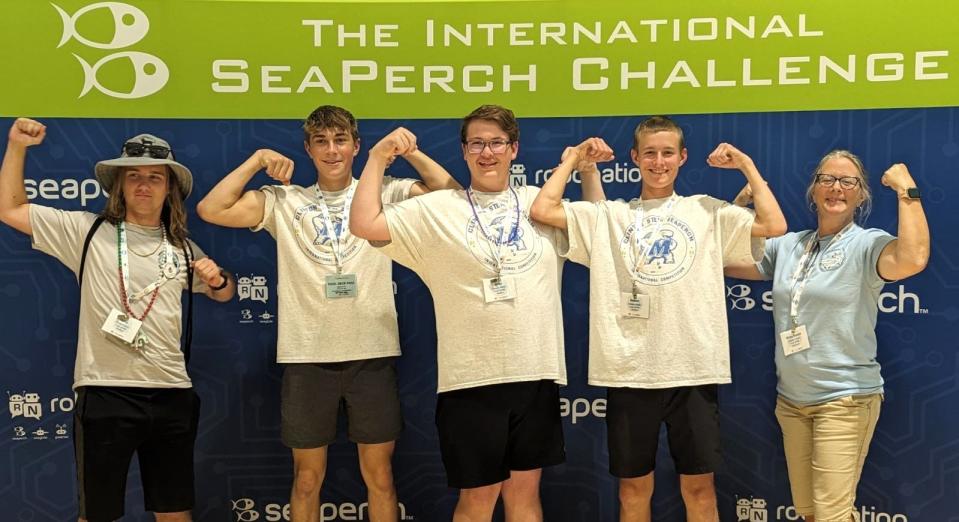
x=838 y=307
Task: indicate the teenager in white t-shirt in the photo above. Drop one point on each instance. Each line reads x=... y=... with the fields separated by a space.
x=337 y=331
x=495 y=280
x=658 y=335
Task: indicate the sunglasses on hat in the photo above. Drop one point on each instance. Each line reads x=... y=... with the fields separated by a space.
x=138 y=149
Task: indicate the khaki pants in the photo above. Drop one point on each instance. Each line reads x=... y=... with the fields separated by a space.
x=826 y=445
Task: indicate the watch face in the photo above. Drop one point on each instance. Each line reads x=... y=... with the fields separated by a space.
x=912 y=193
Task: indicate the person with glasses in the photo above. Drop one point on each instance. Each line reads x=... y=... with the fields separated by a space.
x=134 y=395
x=658 y=336
x=344 y=348
x=495 y=280
x=826 y=285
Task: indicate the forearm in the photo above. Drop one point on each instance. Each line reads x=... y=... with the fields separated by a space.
x=434 y=176
x=912 y=248
x=12 y=191
x=770 y=221
x=592 y=184
x=547 y=208
x=226 y=293
x=366 y=216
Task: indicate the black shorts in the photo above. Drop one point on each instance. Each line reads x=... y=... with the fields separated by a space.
x=691 y=414
x=487 y=431
x=110 y=424
x=312 y=394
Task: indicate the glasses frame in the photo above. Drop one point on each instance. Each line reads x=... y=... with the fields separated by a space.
x=846 y=182
x=469 y=145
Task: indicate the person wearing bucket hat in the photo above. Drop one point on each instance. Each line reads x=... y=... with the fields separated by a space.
x=132 y=262
x=346 y=350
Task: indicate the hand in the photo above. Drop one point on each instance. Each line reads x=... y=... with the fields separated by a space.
x=400 y=142
x=897 y=178
x=27 y=133
x=588 y=153
x=728 y=157
x=745 y=197
x=208 y=271
x=277 y=166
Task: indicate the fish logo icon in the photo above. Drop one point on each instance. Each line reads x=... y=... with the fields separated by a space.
x=151 y=74
x=129 y=22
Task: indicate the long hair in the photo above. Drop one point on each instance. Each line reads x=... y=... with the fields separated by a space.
x=173 y=213
x=864 y=208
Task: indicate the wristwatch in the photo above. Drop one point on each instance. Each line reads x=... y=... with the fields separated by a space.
x=226 y=281
x=911 y=193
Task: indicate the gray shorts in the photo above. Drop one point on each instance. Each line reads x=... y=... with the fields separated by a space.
x=312 y=394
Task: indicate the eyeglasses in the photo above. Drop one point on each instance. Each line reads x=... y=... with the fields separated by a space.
x=495 y=146
x=846 y=182
x=137 y=149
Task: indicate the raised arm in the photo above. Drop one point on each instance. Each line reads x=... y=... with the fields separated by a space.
x=769 y=221
x=434 y=176
x=228 y=205
x=548 y=208
x=14 y=209
x=747 y=271
x=908 y=254
x=367 y=219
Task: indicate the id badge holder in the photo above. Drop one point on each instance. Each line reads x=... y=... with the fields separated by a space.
x=634 y=305
x=339 y=286
x=794 y=340
x=121 y=326
x=499 y=289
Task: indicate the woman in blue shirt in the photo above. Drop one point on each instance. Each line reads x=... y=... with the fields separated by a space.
x=826 y=285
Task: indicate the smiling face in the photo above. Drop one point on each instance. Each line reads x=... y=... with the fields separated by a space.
x=489 y=171
x=145 y=189
x=835 y=202
x=658 y=156
x=332 y=151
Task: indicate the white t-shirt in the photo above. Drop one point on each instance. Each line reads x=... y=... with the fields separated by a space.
x=481 y=343
x=313 y=328
x=684 y=342
x=101 y=360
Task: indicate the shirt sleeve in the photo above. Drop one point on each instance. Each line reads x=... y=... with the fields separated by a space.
x=581 y=218
x=396 y=189
x=268 y=223
x=738 y=245
x=409 y=234
x=767 y=266
x=874 y=240
x=60 y=233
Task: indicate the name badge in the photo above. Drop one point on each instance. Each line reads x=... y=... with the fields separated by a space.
x=499 y=289
x=794 y=340
x=634 y=305
x=122 y=326
x=339 y=286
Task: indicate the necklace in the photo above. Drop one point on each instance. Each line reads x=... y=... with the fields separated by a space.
x=155 y=250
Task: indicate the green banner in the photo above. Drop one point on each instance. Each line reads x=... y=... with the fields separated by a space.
x=391 y=59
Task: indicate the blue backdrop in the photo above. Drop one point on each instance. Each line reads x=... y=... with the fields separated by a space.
x=244 y=472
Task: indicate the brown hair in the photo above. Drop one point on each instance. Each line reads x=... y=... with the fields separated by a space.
x=496 y=114
x=330 y=117
x=173 y=214
x=864 y=208
x=655 y=124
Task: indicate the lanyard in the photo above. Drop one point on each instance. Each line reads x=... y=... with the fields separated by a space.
x=344 y=222
x=640 y=244
x=124 y=269
x=801 y=275
x=496 y=245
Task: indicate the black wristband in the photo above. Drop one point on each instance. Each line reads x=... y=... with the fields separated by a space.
x=226 y=281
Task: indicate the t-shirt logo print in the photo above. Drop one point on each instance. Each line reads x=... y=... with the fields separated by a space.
x=668 y=255
x=315 y=240
x=519 y=252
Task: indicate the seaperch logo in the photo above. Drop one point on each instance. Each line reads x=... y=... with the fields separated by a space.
x=85 y=191
x=899 y=301
x=245 y=510
x=130 y=26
